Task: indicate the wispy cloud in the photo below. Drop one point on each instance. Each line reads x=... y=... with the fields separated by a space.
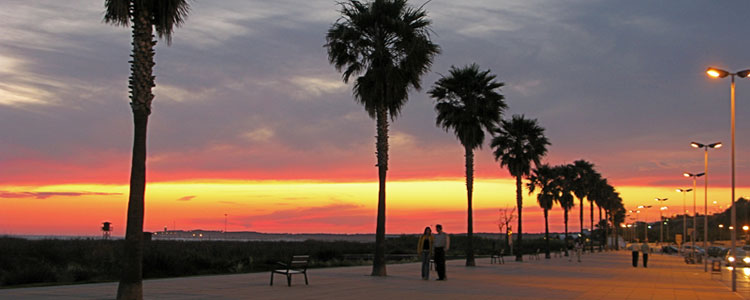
x=45 y=195
x=186 y=198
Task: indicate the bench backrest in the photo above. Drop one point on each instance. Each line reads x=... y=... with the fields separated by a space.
x=299 y=262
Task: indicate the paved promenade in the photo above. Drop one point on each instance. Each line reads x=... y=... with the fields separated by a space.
x=600 y=276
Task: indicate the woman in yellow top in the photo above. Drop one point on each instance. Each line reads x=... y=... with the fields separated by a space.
x=424 y=250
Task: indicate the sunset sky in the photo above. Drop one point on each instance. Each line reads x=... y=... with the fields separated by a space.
x=250 y=119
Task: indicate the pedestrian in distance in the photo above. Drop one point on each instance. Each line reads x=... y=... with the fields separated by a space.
x=579 y=248
x=441 y=244
x=635 y=248
x=644 y=249
x=424 y=250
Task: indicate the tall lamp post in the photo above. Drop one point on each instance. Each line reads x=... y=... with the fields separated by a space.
x=705 y=192
x=661 y=222
x=719 y=73
x=684 y=216
x=695 y=211
x=645 y=220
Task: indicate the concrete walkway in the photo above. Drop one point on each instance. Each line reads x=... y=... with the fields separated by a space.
x=600 y=276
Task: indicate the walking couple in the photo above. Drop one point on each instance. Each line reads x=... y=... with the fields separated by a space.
x=430 y=244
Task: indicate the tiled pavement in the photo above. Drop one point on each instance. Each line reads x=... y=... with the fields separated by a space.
x=606 y=275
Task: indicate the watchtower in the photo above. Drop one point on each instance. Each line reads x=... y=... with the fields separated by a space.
x=106 y=230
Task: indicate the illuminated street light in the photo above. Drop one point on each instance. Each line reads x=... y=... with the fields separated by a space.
x=705 y=192
x=719 y=73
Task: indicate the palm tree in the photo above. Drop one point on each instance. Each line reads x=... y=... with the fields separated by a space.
x=544 y=178
x=468 y=102
x=618 y=216
x=387 y=44
x=565 y=176
x=519 y=142
x=582 y=184
x=600 y=193
x=146 y=16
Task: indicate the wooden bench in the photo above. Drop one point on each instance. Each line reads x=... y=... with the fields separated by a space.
x=296 y=265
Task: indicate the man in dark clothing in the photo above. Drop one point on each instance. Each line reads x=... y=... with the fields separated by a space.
x=442 y=243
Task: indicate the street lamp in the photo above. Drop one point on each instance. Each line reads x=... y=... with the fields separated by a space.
x=684 y=215
x=661 y=221
x=695 y=211
x=721 y=226
x=719 y=73
x=705 y=192
x=645 y=220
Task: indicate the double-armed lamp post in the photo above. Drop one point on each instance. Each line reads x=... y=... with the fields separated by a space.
x=684 y=215
x=695 y=211
x=661 y=219
x=719 y=73
x=705 y=191
x=645 y=220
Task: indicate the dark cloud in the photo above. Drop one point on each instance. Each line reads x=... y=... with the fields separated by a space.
x=45 y=195
x=245 y=91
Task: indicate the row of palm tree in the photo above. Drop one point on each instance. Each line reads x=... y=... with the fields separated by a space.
x=557 y=184
x=386 y=44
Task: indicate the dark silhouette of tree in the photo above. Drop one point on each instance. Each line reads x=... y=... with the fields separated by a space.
x=601 y=193
x=386 y=43
x=565 y=176
x=585 y=178
x=519 y=142
x=468 y=102
x=506 y=216
x=545 y=179
x=145 y=16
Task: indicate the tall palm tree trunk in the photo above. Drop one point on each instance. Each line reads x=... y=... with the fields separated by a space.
x=519 y=203
x=546 y=234
x=591 y=233
x=141 y=82
x=378 y=262
x=581 y=215
x=616 y=233
x=469 y=190
x=601 y=230
x=606 y=230
x=566 y=232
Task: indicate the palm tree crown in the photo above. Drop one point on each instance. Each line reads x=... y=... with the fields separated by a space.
x=518 y=143
x=388 y=43
x=468 y=103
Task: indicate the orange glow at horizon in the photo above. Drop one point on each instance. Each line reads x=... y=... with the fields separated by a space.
x=304 y=206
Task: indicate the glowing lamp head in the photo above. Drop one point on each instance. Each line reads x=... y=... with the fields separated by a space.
x=717 y=73
x=746 y=260
x=715 y=145
x=686 y=174
x=743 y=73
x=696 y=145
x=721 y=225
x=745 y=228
x=730 y=259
